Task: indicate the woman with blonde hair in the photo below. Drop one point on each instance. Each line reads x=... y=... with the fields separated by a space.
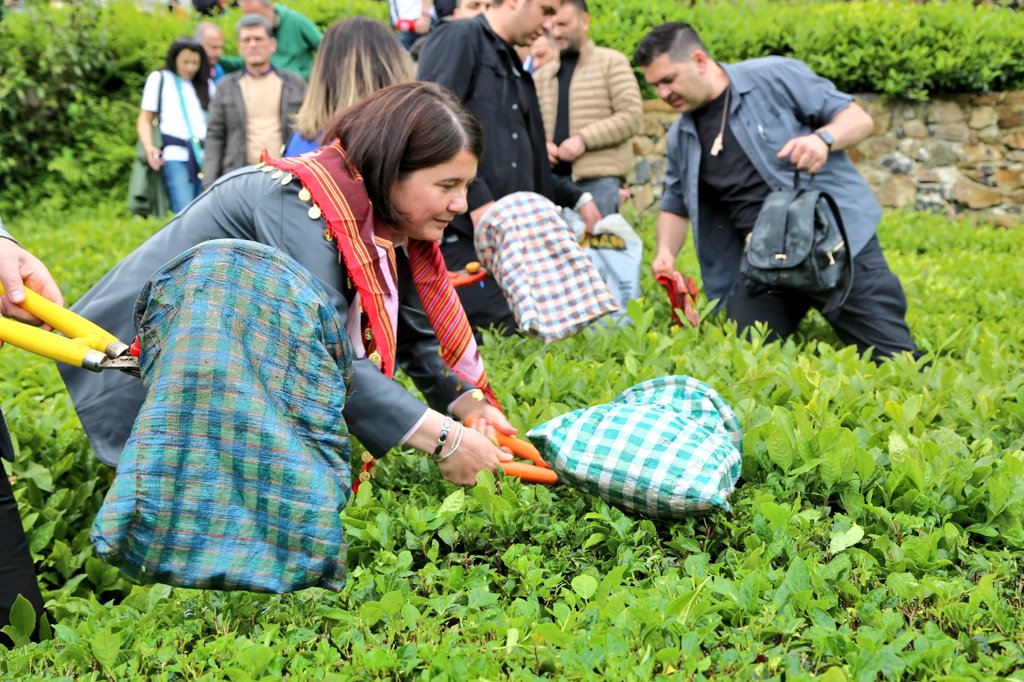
x=356 y=58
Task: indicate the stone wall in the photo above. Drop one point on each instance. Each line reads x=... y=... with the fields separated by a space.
x=961 y=155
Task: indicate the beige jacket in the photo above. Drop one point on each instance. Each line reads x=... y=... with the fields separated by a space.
x=605 y=109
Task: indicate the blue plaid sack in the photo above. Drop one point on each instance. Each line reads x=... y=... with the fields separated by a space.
x=663 y=448
x=237 y=467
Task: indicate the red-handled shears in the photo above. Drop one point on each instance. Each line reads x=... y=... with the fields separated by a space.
x=471 y=274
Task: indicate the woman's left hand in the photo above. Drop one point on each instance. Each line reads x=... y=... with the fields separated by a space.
x=468 y=407
x=20 y=269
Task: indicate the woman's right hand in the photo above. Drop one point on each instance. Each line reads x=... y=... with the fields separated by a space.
x=475 y=454
x=153 y=157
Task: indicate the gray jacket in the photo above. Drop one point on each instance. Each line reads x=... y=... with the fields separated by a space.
x=248 y=204
x=774 y=100
x=226 y=123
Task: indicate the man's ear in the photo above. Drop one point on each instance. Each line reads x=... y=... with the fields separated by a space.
x=585 y=20
x=273 y=45
x=700 y=59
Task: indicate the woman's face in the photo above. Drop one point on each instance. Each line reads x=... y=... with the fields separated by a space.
x=430 y=197
x=186 y=64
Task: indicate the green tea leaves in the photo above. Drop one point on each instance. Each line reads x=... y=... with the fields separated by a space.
x=845 y=539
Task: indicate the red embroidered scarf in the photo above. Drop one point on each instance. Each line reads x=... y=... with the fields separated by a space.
x=337 y=191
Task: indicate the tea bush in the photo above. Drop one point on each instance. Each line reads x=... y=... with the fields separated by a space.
x=899 y=49
x=70 y=92
x=876 y=534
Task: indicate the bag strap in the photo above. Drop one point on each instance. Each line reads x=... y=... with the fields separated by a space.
x=773 y=216
x=193 y=140
x=837 y=299
x=796 y=180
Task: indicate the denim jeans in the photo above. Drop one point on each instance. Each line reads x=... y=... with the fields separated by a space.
x=409 y=38
x=605 y=191
x=180 y=189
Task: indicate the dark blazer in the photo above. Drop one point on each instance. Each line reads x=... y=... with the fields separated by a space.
x=226 y=124
x=6 y=446
x=471 y=60
x=249 y=204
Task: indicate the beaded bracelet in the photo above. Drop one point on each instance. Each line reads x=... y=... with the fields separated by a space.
x=456 y=442
x=443 y=437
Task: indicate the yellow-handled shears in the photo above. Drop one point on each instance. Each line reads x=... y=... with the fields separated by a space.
x=84 y=344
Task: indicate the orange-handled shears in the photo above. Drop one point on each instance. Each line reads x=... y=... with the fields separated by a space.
x=84 y=344
x=536 y=471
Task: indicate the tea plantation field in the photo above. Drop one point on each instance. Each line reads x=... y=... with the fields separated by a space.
x=876 y=534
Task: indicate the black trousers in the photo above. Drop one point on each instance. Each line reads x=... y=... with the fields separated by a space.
x=484 y=303
x=17 y=573
x=874 y=315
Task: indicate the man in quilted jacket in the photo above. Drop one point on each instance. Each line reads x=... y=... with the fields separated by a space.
x=592 y=107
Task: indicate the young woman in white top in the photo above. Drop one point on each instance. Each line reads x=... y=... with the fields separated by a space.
x=178 y=96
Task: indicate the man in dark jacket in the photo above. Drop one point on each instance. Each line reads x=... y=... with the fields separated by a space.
x=477 y=61
x=253 y=108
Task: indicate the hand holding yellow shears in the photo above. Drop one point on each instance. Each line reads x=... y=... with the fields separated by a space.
x=85 y=344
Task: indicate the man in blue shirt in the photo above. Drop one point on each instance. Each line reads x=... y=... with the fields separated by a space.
x=742 y=131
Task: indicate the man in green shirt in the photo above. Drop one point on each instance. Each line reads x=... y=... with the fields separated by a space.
x=297 y=37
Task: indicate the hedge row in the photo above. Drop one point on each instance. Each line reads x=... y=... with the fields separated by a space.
x=72 y=77
x=71 y=82
x=905 y=50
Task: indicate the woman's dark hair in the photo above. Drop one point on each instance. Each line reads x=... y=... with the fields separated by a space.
x=202 y=78
x=401 y=129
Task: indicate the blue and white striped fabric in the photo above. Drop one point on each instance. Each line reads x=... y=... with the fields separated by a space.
x=663 y=448
x=549 y=282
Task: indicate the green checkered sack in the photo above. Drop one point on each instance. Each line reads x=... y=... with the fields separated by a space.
x=663 y=448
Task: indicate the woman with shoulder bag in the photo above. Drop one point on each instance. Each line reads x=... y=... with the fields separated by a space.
x=178 y=97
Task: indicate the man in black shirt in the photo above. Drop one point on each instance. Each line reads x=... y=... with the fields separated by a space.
x=727 y=178
x=743 y=130
x=477 y=61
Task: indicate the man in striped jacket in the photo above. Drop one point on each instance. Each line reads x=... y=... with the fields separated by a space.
x=591 y=105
